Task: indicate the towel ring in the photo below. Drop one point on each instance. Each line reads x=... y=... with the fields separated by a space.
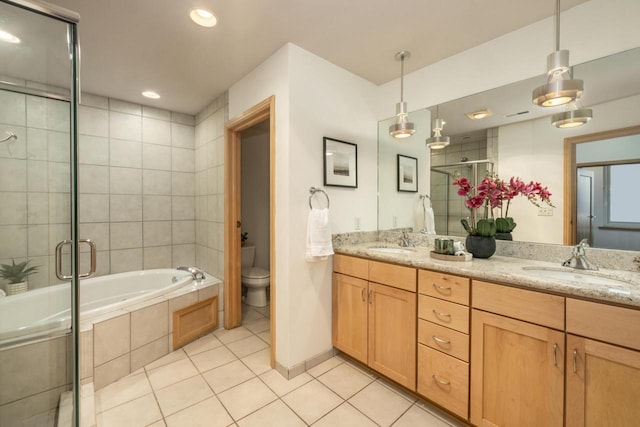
x=424 y=197
x=314 y=190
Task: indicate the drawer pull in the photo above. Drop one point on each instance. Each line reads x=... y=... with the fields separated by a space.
x=441 y=342
x=555 y=351
x=443 y=289
x=439 y=381
x=575 y=361
x=445 y=317
x=362 y=294
x=370 y=299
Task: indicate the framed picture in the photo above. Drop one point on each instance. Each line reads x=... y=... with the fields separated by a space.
x=340 y=163
x=407 y=173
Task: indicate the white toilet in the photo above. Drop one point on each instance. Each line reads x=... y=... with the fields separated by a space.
x=255 y=279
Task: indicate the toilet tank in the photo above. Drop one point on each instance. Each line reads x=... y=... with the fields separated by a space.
x=248 y=254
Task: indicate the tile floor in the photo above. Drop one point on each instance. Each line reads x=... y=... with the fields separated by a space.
x=224 y=379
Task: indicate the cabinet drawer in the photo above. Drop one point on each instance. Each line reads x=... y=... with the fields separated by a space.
x=530 y=306
x=444 y=379
x=351 y=266
x=445 y=313
x=444 y=286
x=397 y=276
x=615 y=325
x=443 y=339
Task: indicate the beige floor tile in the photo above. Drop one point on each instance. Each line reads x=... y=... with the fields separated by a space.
x=183 y=394
x=158 y=424
x=345 y=415
x=312 y=401
x=258 y=325
x=381 y=404
x=249 y=315
x=208 y=413
x=437 y=412
x=325 y=366
x=246 y=398
x=416 y=416
x=128 y=388
x=230 y=335
x=204 y=343
x=174 y=356
x=172 y=373
x=136 y=413
x=265 y=336
x=399 y=390
x=226 y=376
x=259 y=362
x=210 y=359
x=345 y=380
x=280 y=385
x=265 y=311
x=275 y=414
x=246 y=346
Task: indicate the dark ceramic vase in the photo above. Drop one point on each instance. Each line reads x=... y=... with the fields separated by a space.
x=504 y=236
x=481 y=246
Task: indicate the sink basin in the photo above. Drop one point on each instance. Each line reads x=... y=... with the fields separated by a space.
x=573 y=275
x=396 y=251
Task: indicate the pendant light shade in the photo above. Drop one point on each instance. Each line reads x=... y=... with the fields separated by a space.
x=402 y=128
x=574 y=116
x=438 y=141
x=561 y=88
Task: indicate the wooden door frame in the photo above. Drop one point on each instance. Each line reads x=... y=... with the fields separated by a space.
x=264 y=110
x=570 y=174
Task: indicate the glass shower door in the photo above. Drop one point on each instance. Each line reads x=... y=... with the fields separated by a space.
x=38 y=326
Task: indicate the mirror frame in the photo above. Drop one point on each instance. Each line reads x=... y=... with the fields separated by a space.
x=570 y=174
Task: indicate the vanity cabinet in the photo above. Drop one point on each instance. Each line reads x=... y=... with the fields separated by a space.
x=443 y=340
x=517 y=354
x=603 y=365
x=374 y=316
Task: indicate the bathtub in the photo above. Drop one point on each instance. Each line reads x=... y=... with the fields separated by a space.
x=45 y=312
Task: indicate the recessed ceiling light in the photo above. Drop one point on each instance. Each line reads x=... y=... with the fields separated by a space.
x=8 y=37
x=151 y=94
x=203 y=17
x=480 y=114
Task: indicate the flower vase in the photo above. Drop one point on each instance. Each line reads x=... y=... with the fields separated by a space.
x=481 y=246
x=17 y=288
x=504 y=236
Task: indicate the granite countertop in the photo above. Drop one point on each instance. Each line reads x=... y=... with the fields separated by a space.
x=508 y=270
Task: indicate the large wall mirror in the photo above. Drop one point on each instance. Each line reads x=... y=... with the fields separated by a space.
x=518 y=139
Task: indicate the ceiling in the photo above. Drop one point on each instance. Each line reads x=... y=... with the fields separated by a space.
x=130 y=46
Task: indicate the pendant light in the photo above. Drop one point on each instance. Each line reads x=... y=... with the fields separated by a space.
x=402 y=128
x=573 y=116
x=560 y=88
x=438 y=141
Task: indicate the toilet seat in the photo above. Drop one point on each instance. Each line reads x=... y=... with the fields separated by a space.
x=255 y=273
x=255 y=281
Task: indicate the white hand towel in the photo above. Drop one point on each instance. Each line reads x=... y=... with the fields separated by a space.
x=429 y=221
x=319 y=245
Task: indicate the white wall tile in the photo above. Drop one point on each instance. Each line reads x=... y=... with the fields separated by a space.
x=13 y=240
x=149 y=324
x=126 y=260
x=59 y=208
x=183 y=208
x=185 y=119
x=125 y=181
x=91 y=100
x=14 y=148
x=156 y=157
x=38 y=240
x=59 y=146
x=59 y=177
x=93 y=207
x=125 y=208
x=96 y=231
x=156 y=208
x=183 y=232
x=38 y=176
x=126 y=235
x=182 y=135
x=93 y=121
x=156 y=131
x=156 y=182
x=183 y=184
x=125 y=153
x=125 y=126
x=38 y=208
x=13 y=208
x=124 y=107
x=93 y=150
x=111 y=339
x=182 y=160
x=157 y=257
x=58 y=233
x=156 y=113
x=157 y=233
x=37 y=144
x=184 y=254
x=13 y=108
x=93 y=179
x=13 y=175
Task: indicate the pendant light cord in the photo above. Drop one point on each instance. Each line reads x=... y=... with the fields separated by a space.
x=402 y=78
x=557 y=25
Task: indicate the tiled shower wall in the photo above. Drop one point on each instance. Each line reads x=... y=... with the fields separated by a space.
x=209 y=205
x=136 y=185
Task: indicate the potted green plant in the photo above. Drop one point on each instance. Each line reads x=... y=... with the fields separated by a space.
x=243 y=238
x=17 y=275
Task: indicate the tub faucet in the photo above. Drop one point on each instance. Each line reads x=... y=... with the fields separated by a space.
x=405 y=240
x=198 y=275
x=579 y=258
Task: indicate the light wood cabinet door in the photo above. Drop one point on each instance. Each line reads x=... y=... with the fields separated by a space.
x=392 y=333
x=350 y=311
x=517 y=373
x=603 y=384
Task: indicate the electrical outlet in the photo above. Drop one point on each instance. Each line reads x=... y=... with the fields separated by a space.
x=356 y=223
x=545 y=211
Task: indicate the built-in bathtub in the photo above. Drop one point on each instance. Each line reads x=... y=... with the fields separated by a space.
x=125 y=323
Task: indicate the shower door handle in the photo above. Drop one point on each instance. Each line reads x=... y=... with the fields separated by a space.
x=60 y=275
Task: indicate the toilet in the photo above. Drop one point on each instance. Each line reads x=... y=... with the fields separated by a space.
x=254 y=279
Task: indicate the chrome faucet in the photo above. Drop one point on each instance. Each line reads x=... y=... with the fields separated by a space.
x=405 y=240
x=579 y=258
x=198 y=275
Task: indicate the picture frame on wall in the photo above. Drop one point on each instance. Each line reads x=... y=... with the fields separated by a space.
x=407 y=174
x=340 y=160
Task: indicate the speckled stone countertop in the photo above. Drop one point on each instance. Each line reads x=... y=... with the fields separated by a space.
x=513 y=271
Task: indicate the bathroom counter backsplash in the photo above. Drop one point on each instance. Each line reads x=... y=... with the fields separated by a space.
x=509 y=270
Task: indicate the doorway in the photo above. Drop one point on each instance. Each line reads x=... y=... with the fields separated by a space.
x=263 y=111
x=584 y=205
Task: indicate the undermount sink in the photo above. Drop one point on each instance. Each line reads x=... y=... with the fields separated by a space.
x=573 y=275
x=397 y=251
